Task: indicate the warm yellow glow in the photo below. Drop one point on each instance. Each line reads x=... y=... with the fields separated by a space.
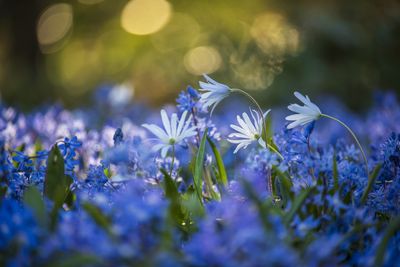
x=202 y=59
x=143 y=17
x=90 y=2
x=54 y=24
x=78 y=67
x=182 y=29
x=274 y=35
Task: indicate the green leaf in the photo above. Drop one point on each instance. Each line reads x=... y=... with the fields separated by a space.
x=38 y=146
x=371 y=182
x=198 y=167
x=335 y=173
x=3 y=191
x=391 y=230
x=190 y=203
x=34 y=200
x=222 y=177
x=56 y=183
x=267 y=132
x=97 y=215
x=107 y=173
x=171 y=192
x=297 y=203
x=284 y=182
x=264 y=207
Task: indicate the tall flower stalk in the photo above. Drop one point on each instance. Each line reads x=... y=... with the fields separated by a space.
x=354 y=137
x=310 y=112
x=214 y=92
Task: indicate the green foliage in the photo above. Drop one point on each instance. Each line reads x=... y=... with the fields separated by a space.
x=371 y=182
x=3 y=191
x=171 y=192
x=34 y=200
x=335 y=173
x=297 y=204
x=97 y=215
x=76 y=260
x=198 y=167
x=221 y=175
x=282 y=183
x=56 y=183
x=392 y=229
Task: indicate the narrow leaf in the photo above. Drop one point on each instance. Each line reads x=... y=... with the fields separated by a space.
x=97 y=215
x=3 y=191
x=223 y=178
x=391 y=230
x=284 y=182
x=371 y=182
x=335 y=173
x=198 y=167
x=297 y=203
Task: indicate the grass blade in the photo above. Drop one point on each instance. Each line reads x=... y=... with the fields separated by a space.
x=198 y=167
x=371 y=182
x=223 y=178
x=335 y=173
x=393 y=227
x=297 y=203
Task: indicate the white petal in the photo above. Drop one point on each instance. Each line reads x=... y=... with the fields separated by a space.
x=293 y=124
x=302 y=98
x=174 y=122
x=301 y=109
x=240 y=130
x=165 y=121
x=181 y=122
x=243 y=125
x=249 y=123
x=157 y=131
x=295 y=117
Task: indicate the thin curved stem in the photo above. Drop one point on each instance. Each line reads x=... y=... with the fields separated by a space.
x=353 y=135
x=261 y=116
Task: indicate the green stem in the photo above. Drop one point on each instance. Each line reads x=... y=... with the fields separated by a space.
x=264 y=125
x=354 y=136
x=173 y=161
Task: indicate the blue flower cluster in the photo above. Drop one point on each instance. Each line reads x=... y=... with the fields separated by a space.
x=84 y=190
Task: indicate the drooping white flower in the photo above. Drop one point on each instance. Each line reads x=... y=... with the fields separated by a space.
x=305 y=114
x=248 y=131
x=174 y=132
x=213 y=92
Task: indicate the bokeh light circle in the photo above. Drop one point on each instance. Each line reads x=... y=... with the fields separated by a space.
x=142 y=17
x=54 y=24
x=202 y=59
x=275 y=35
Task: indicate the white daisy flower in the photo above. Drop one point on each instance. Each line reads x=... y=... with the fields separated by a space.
x=305 y=114
x=248 y=131
x=214 y=92
x=174 y=132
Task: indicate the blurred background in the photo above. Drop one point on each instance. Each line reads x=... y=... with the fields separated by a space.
x=151 y=49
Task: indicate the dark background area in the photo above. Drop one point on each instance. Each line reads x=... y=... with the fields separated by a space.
x=62 y=51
